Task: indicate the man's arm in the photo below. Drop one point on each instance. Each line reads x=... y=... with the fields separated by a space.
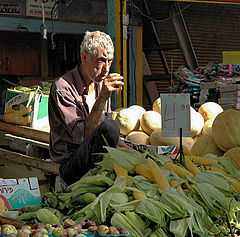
x=110 y=84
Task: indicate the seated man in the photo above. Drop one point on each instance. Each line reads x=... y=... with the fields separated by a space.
x=80 y=111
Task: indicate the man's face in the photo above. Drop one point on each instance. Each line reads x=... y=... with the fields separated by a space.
x=99 y=65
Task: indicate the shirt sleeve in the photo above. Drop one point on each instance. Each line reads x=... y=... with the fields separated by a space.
x=72 y=115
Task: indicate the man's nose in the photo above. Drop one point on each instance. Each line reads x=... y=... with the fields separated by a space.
x=107 y=66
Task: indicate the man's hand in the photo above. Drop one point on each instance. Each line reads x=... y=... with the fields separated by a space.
x=112 y=83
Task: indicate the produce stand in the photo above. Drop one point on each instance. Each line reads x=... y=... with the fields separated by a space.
x=27 y=135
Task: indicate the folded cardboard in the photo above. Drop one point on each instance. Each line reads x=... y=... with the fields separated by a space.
x=27 y=108
x=17 y=193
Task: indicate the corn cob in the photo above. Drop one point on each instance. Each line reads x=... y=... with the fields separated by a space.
x=139 y=195
x=174 y=183
x=120 y=220
x=191 y=167
x=64 y=197
x=216 y=169
x=120 y=171
x=100 y=180
x=199 y=160
x=27 y=216
x=186 y=151
x=47 y=217
x=236 y=184
x=159 y=177
x=32 y=208
x=143 y=170
x=83 y=188
x=135 y=218
x=180 y=171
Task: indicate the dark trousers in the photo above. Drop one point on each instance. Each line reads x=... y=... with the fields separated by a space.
x=78 y=162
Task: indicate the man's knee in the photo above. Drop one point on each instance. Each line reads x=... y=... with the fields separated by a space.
x=110 y=126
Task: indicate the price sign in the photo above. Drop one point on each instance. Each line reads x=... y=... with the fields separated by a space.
x=175 y=111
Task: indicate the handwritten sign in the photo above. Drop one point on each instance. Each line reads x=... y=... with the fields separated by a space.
x=34 y=8
x=175 y=111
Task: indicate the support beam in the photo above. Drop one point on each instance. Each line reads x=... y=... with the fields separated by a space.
x=183 y=36
x=125 y=58
x=32 y=25
x=19 y=158
x=24 y=131
x=139 y=67
x=114 y=31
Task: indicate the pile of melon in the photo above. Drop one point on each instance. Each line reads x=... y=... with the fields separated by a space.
x=213 y=130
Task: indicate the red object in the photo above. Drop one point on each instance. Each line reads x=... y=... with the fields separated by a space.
x=6 y=202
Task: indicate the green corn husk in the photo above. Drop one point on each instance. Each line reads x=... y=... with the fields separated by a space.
x=154 y=211
x=84 y=188
x=47 y=217
x=125 y=157
x=27 y=216
x=98 y=180
x=101 y=203
x=135 y=218
x=120 y=220
x=159 y=232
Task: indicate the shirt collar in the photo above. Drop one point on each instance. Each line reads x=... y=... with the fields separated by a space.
x=79 y=81
x=81 y=87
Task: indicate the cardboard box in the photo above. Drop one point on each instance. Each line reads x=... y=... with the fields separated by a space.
x=231 y=106
x=227 y=88
x=230 y=100
x=18 y=193
x=228 y=94
x=10 y=169
x=29 y=109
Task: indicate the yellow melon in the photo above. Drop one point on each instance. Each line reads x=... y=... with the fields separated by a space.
x=205 y=145
x=156 y=139
x=157 y=105
x=210 y=110
x=234 y=154
x=150 y=121
x=138 y=137
x=128 y=120
x=196 y=123
x=138 y=109
x=207 y=128
x=226 y=129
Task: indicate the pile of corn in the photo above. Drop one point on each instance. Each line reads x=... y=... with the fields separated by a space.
x=153 y=195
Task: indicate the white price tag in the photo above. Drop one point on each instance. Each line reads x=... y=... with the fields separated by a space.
x=175 y=111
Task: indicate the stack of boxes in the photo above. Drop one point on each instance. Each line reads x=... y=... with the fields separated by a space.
x=229 y=96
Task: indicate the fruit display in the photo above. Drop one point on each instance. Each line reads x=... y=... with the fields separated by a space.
x=147 y=194
x=68 y=228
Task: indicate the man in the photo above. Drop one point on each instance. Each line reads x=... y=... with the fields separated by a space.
x=80 y=111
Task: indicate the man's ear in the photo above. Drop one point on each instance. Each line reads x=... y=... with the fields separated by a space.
x=84 y=57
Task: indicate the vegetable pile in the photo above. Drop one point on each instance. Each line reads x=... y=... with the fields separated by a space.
x=152 y=195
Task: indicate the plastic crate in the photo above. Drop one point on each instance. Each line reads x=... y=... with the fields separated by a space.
x=231 y=56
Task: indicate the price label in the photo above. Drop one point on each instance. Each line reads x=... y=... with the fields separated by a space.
x=175 y=111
